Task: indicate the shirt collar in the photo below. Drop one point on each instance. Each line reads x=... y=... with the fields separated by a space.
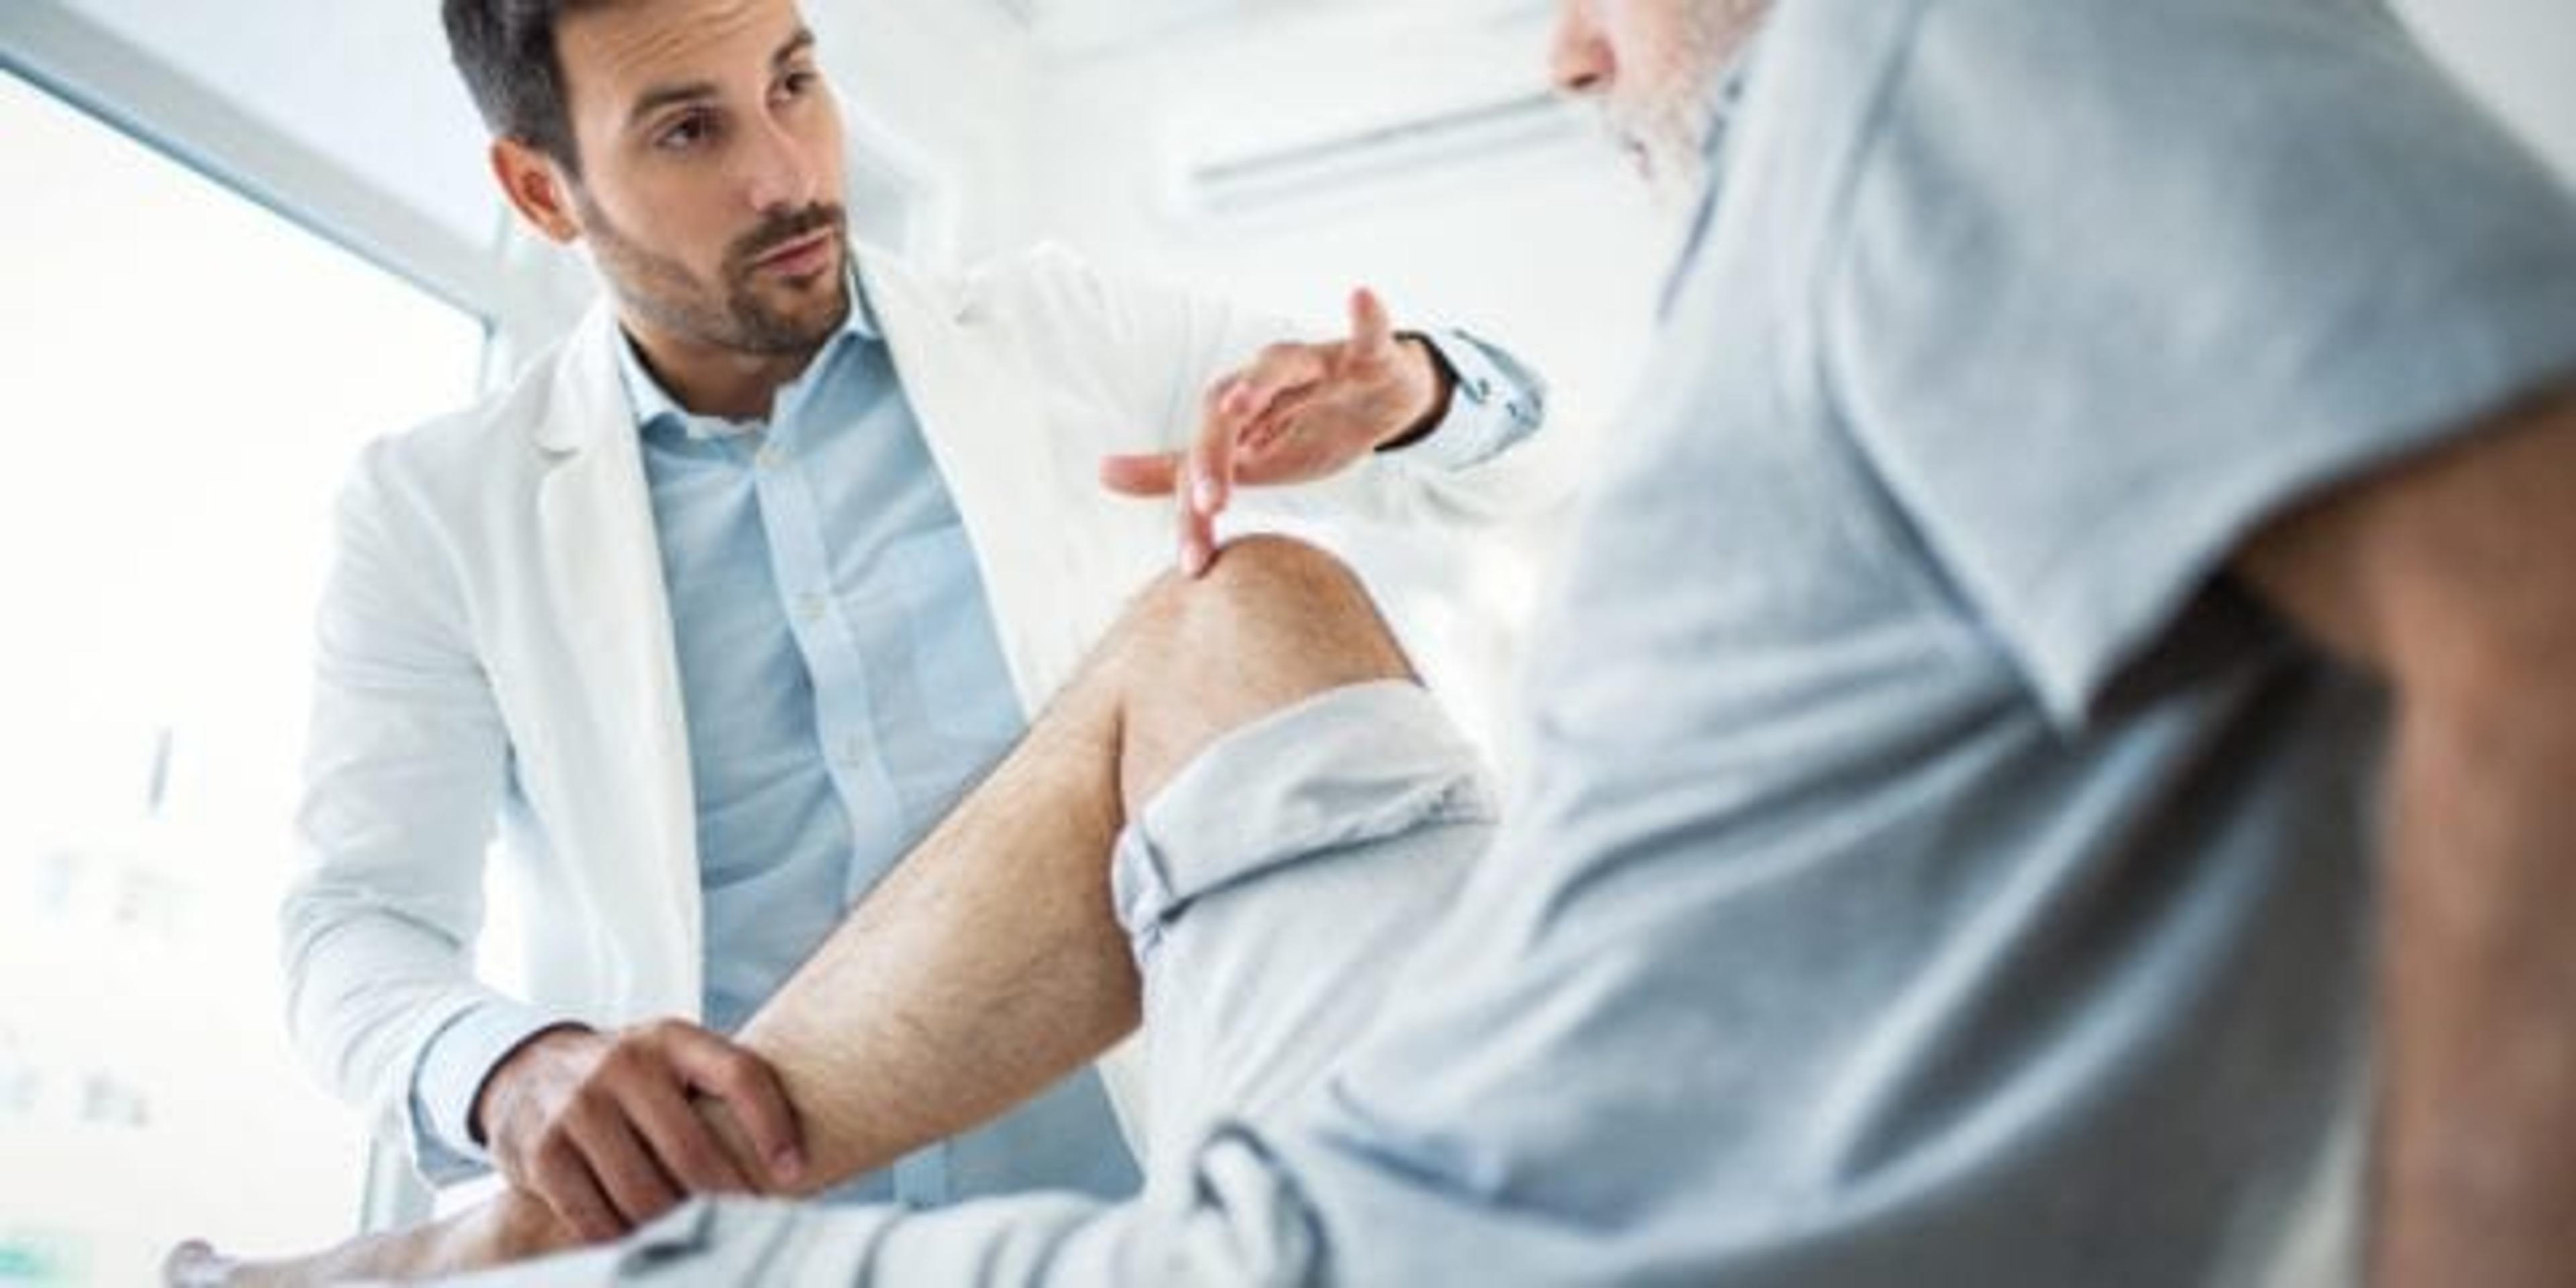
x=1726 y=99
x=655 y=407
x=1724 y=104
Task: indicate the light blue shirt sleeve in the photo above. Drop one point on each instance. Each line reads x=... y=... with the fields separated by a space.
x=1498 y=400
x=450 y=1075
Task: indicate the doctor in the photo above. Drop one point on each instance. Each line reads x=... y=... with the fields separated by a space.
x=728 y=598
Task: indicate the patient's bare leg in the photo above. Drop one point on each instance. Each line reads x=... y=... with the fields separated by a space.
x=989 y=963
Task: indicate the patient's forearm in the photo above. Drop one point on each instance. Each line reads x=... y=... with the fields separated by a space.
x=2478 y=1174
x=983 y=968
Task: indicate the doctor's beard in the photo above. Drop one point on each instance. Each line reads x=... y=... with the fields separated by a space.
x=737 y=316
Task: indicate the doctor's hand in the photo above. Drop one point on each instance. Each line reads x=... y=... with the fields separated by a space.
x=1297 y=413
x=600 y=1125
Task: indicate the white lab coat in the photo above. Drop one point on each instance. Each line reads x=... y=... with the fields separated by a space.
x=495 y=646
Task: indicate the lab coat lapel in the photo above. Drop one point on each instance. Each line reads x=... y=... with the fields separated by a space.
x=624 y=749
x=987 y=434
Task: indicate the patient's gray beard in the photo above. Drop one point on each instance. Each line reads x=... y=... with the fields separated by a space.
x=1679 y=120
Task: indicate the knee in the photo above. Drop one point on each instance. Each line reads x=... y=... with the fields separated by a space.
x=1257 y=569
x=1275 y=603
x=1269 y=559
x=1272 y=621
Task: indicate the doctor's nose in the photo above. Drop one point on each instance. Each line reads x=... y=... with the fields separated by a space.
x=777 y=173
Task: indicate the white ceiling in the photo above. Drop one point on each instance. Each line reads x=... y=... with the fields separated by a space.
x=1087 y=27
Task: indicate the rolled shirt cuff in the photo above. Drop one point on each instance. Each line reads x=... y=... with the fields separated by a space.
x=1336 y=770
x=451 y=1073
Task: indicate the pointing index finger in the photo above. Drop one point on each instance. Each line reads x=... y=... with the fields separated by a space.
x=1210 y=477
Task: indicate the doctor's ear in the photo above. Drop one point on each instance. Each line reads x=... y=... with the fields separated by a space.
x=536 y=187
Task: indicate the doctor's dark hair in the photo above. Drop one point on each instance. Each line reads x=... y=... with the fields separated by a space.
x=505 y=50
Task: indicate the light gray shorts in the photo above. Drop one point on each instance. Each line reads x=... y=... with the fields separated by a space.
x=1270 y=893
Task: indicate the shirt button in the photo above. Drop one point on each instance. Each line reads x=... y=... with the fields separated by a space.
x=809 y=607
x=770 y=457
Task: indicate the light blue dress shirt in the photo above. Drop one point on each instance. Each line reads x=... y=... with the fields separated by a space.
x=843 y=685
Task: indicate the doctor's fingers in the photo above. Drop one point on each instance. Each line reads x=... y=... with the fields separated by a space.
x=562 y=1177
x=1208 y=474
x=1276 y=448
x=750 y=1089
x=1276 y=373
x=1145 y=474
x=685 y=1143
x=1292 y=449
x=1141 y=474
x=1272 y=451
x=626 y=1172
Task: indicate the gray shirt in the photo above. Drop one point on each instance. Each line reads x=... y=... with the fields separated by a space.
x=1934 y=868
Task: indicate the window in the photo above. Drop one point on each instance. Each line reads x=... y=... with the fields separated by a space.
x=184 y=376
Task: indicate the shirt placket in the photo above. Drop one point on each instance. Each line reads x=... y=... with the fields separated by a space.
x=845 y=712
x=800 y=567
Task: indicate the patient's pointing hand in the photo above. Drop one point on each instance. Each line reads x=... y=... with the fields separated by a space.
x=1299 y=412
x=600 y=1125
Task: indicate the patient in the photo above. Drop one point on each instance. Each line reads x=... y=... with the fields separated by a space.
x=2105 y=457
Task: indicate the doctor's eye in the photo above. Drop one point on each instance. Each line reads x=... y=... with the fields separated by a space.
x=687 y=132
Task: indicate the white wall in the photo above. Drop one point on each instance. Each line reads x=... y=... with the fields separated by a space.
x=950 y=82
x=2520 y=55
x=367 y=83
